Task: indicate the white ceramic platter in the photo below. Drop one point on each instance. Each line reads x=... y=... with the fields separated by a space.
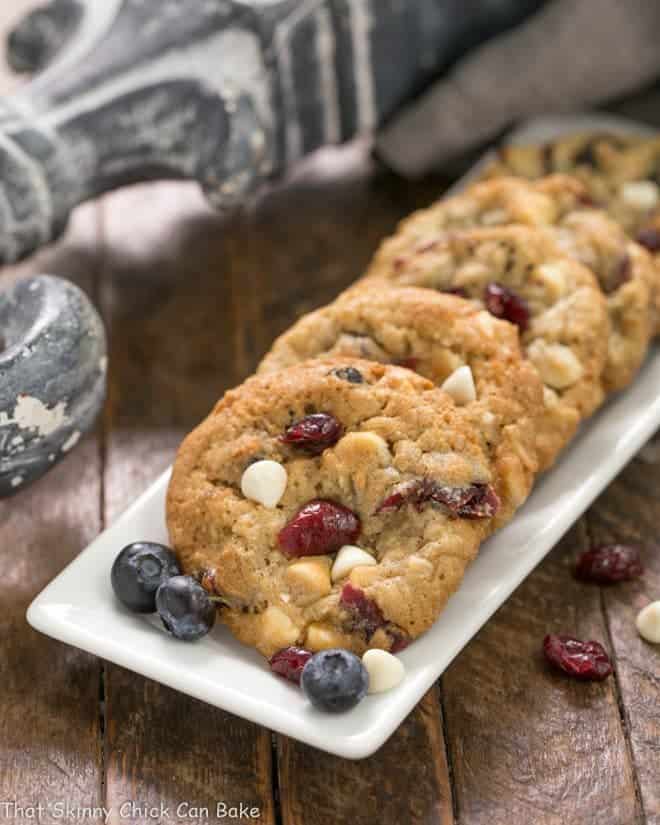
x=79 y=608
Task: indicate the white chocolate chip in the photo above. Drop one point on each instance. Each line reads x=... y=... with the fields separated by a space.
x=278 y=628
x=553 y=279
x=363 y=447
x=648 y=622
x=640 y=194
x=558 y=365
x=349 y=557
x=385 y=671
x=460 y=385
x=495 y=217
x=264 y=482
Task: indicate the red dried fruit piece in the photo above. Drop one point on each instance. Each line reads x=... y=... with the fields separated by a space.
x=368 y=615
x=459 y=291
x=620 y=274
x=409 y=363
x=318 y=528
x=289 y=662
x=503 y=302
x=609 y=563
x=582 y=660
x=473 y=501
x=649 y=237
x=399 y=642
x=314 y=433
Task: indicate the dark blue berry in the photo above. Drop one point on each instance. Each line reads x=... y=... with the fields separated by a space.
x=139 y=570
x=334 y=680
x=185 y=608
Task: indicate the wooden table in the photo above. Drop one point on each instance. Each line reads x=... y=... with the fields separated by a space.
x=191 y=301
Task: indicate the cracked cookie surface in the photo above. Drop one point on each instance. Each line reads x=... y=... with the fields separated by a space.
x=624 y=270
x=408 y=482
x=436 y=334
x=620 y=172
x=520 y=274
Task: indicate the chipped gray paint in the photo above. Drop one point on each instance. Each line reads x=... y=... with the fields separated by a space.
x=52 y=376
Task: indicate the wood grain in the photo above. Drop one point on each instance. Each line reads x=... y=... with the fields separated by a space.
x=167 y=298
x=406 y=781
x=628 y=512
x=50 y=735
x=526 y=743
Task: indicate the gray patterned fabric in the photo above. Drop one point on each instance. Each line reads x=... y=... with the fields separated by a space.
x=571 y=54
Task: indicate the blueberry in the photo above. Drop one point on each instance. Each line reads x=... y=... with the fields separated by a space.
x=334 y=680
x=185 y=608
x=139 y=570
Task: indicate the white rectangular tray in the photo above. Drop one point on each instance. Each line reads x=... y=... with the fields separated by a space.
x=78 y=607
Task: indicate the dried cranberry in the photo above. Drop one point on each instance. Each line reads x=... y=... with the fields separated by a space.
x=459 y=291
x=619 y=275
x=473 y=501
x=314 y=433
x=409 y=363
x=582 y=660
x=368 y=615
x=318 y=528
x=503 y=302
x=349 y=374
x=399 y=642
x=289 y=662
x=609 y=563
x=649 y=237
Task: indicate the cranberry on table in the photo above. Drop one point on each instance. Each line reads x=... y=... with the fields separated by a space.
x=289 y=662
x=314 y=433
x=609 y=563
x=318 y=528
x=586 y=661
x=504 y=303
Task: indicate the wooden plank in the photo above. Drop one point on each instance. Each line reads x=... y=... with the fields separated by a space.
x=49 y=724
x=407 y=781
x=526 y=743
x=303 y=244
x=167 y=295
x=629 y=512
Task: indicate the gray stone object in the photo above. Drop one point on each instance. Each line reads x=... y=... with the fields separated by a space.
x=52 y=376
x=229 y=93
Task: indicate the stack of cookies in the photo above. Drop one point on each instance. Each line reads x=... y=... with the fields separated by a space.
x=336 y=498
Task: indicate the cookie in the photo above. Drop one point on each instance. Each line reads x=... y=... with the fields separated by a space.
x=519 y=274
x=621 y=174
x=335 y=503
x=624 y=270
x=472 y=355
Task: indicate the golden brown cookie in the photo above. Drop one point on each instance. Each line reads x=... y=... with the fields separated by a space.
x=519 y=274
x=336 y=503
x=621 y=174
x=624 y=270
x=450 y=341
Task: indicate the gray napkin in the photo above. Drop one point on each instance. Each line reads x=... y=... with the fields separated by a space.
x=570 y=55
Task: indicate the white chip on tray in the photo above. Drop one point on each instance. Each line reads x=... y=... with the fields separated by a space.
x=385 y=671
